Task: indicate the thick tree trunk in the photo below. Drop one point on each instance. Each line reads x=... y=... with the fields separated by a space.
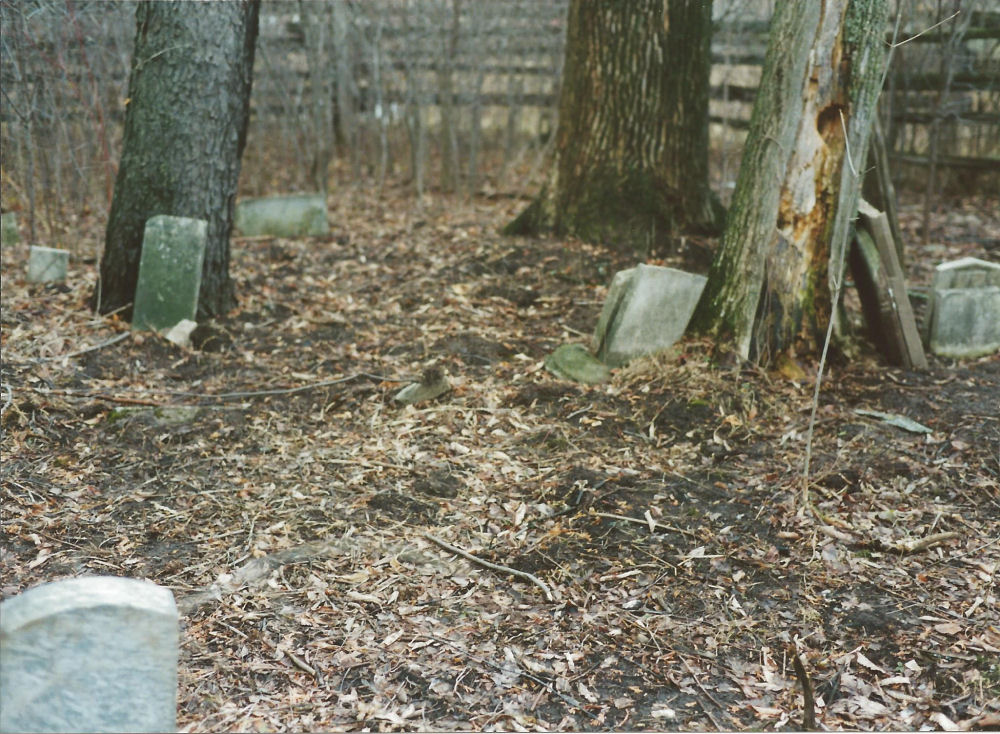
x=771 y=285
x=185 y=128
x=631 y=155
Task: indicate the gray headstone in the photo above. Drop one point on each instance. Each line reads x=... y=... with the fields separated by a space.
x=47 y=264
x=300 y=215
x=173 y=252
x=963 y=320
x=90 y=654
x=9 y=233
x=647 y=309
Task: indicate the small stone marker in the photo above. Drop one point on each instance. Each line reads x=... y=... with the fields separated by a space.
x=9 y=233
x=173 y=252
x=96 y=653
x=964 y=314
x=647 y=309
x=47 y=264
x=300 y=215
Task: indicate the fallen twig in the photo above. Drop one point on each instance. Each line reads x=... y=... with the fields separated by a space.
x=639 y=521
x=704 y=690
x=915 y=546
x=537 y=679
x=808 y=701
x=204 y=396
x=493 y=566
x=8 y=397
x=113 y=340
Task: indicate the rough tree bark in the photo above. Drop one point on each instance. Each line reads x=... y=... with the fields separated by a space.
x=185 y=128
x=770 y=287
x=631 y=149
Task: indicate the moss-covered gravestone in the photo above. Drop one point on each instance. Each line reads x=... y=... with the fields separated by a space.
x=9 y=233
x=173 y=251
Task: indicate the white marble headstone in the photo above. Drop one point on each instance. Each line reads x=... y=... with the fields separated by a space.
x=96 y=653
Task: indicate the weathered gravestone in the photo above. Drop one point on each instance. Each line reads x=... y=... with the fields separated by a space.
x=173 y=252
x=89 y=654
x=647 y=309
x=47 y=264
x=963 y=319
x=9 y=233
x=300 y=215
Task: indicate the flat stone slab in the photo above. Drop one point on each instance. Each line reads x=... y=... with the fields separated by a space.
x=47 y=264
x=573 y=362
x=963 y=320
x=96 y=653
x=647 y=309
x=173 y=253
x=300 y=215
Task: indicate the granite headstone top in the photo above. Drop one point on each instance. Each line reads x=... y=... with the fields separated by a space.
x=298 y=215
x=95 y=653
x=173 y=253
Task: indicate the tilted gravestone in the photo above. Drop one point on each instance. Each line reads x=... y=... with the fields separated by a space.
x=300 y=215
x=647 y=309
x=95 y=654
x=47 y=264
x=173 y=253
x=964 y=313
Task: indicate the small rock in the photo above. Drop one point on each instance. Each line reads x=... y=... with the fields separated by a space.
x=180 y=333
x=574 y=362
x=432 y=384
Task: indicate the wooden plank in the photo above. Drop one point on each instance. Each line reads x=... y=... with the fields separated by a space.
x=872 y=284
x=912 y=350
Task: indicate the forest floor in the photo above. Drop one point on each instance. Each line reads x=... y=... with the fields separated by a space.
x=290 y=504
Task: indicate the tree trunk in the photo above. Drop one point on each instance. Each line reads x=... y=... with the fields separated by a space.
x=185 y=128
x=770 y=287
x=317 y=25
x=631 y=153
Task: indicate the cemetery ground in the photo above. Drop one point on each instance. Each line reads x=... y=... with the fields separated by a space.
x=268 y=478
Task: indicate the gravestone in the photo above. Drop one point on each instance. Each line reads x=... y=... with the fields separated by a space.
x=173 y=252
x=300 y=215
x=47 y=264
x=647 y=309
x=95 y=654
x=964 y=314
x=9 y=233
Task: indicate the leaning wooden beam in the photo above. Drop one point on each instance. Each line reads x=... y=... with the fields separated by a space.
x=878 y=225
